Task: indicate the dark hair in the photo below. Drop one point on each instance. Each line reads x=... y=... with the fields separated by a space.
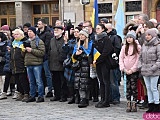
x=42 y=20
x=135 y=48
x=102 y=26
x=3 y=36
x=149 y=24
x=90 y=23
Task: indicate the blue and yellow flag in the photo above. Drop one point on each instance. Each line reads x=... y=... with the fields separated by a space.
x=94 y=18
x=96 y=54
x=119 y=19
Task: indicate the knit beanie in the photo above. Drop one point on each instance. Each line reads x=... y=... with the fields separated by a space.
x=27 y=25
x=131 y=34
x=33 y=29
x=84 y=32
x=5 y=27
x=151 y=32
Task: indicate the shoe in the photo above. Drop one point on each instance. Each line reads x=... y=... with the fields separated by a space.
x=71 y=101
x=25 y=98
x=156 y=108
x=63 y=100
x=100 y=102
x=83 y=103
x=19 y=97
x=102 y=105
x=144 y=105
x=115 y=102
x=55 y=98
x=16 y=94
x=31 y=99
x=3 y=96
x=95 y=99
x=151 y=107
x=128 y=106
x=133 y=107
x=9 y=94
x=49 y=94
x=40 y=99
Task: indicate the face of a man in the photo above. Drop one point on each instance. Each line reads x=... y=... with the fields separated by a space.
x=25 y=29
x=40 y=25
x=88 y=27
x=31 y=34
x=58 y=23
x=58 y=32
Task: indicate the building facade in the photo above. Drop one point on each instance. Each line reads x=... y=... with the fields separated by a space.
x=18 y=12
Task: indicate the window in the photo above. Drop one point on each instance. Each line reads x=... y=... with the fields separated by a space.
x=49 y=11
x=105 y=8
x=133 y=6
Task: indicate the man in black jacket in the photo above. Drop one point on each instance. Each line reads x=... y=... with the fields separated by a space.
x=115 y=74
x=45 y=35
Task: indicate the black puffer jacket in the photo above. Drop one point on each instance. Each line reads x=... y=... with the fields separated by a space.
x=17 y=59
x=46 y=37
x=82 y=80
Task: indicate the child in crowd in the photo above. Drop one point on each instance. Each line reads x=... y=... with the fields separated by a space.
x=128 y=61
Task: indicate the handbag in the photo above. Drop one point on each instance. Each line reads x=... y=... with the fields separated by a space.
x=67 y=63
x=75 y=66
x=93 y=73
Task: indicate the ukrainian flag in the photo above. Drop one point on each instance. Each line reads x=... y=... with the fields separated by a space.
x=96 y=54
x=119 y=19
x=94 y=18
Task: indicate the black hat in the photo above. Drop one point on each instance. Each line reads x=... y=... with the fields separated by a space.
x=33 y=29
x=59 y=27
x=105 y=20
x=27 y=25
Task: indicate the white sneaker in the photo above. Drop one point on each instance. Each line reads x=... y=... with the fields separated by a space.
x=3 y=96
x=16 y=94
x=9 y=94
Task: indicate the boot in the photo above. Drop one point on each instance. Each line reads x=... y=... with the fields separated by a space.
x=20 y=97
x=72 y=98
x=25 y=98
x=31 y=99
x=102 y=104
x=151 y=107
x=156 y=108
x=134 y=107
x=128 y=106
x=83 y=103
x=3 y=96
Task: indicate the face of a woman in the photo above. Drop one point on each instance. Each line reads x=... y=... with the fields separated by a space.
x=76 y=33
x=99 y=29
x=148 y=37
x=17 y=35
x=82 y=37
x=129 y=40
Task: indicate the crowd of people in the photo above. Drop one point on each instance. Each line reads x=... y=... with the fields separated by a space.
x=33 y=58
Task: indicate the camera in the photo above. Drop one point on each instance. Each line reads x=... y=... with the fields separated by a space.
x=27 y=43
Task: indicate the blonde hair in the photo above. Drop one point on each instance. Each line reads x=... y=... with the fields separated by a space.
x=19 y=32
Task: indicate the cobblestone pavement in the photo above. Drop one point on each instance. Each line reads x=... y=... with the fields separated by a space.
x=16 y=110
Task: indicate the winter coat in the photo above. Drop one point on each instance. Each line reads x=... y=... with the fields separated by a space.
x=129 y=62
x=7 y=66
x=56 y=54
x=82 y=75
x=17 y=59
x=35 y=57
x=149 y=61
x=2 y=56
x=68 y=48
x=115 y=40
x=46 y=37
x=104 y=46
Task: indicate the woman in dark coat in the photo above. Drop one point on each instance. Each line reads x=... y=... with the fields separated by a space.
x=81 y=53
x=104 y=46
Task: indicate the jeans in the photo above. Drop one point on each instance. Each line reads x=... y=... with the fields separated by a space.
x=34 y=74
x=114 y=78
x=152 y=91
x=48 y=75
